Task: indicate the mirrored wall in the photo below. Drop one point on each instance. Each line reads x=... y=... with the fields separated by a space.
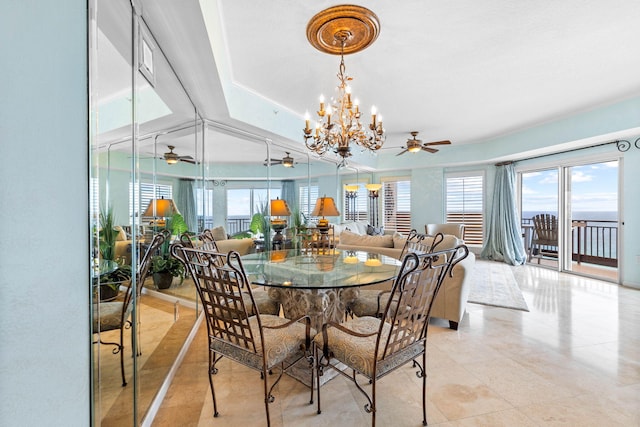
x=157 y=164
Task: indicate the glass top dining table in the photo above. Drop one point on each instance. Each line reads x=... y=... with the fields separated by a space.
x=332 y=269
x=319 y=285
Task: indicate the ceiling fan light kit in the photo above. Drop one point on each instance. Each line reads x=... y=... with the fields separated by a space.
x=343 y=30
x=415 y=145
x=287 y=161
x=172 y=158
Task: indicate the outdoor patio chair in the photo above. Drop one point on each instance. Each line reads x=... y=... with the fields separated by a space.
x=544 y=242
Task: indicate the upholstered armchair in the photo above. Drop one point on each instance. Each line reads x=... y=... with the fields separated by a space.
x=449 y=228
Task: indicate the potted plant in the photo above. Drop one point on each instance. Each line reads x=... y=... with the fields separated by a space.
x=164 y=267
x=109 y=283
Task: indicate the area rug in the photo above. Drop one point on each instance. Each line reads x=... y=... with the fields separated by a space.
x=493 y=284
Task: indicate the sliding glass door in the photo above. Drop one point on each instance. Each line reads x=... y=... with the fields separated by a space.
x=578 y=205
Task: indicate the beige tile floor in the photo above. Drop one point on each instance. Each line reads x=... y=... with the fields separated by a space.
x=573 y=360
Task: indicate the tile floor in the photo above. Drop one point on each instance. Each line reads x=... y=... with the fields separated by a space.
x=574 y=359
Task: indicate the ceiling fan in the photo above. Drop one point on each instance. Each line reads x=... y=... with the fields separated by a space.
x=286 y=161
x=414 y=145
x=173 y=158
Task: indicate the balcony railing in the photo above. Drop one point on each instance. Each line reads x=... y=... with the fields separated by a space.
x=593 y=241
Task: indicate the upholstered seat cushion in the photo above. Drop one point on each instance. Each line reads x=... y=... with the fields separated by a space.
x=279 y=343
x=370 y=302
x=356 y=352
x=265 y=304
x=107 y=316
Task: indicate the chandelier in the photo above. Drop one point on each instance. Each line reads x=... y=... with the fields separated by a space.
x=343 y=29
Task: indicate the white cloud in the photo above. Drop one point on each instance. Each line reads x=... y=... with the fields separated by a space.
x=579 y=176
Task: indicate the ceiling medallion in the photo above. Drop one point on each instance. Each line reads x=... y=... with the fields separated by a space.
x=343 y=30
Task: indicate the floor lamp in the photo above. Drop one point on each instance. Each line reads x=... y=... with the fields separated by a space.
x=373 y=189
x=351 y=193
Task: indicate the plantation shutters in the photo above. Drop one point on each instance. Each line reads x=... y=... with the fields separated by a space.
x=308 y=196
x=396 y=196
x=139 y=197
x=465 y=204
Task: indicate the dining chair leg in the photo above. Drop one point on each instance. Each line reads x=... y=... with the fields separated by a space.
x=424 y=388
x=121 y=350
x=317 y=367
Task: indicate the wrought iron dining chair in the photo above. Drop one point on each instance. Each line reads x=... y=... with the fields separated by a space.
x=260 y=341
x=374 y=347
x=265 y=303
x=371 y=302
x=115 y=315
x=544 y=242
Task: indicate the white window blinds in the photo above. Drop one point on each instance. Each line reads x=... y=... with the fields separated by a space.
x=465 y=204
x=139 y=197
x=308 y=196
x=397 y=205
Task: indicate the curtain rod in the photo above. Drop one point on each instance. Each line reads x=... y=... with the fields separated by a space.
x=560 y=152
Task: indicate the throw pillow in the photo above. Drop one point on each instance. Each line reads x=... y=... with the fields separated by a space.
x=219 y=233
x=121 y=233
x=353 y=239
x=374 y=231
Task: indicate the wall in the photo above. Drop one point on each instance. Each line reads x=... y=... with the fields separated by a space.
x=44 y=250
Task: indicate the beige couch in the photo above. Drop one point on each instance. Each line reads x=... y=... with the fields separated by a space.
x=451 y=302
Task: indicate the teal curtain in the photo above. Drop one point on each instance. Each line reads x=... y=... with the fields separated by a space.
x=504 y=231
x=186 y=203
x=289 y=194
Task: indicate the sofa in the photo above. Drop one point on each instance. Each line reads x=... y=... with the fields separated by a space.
x=451 y=301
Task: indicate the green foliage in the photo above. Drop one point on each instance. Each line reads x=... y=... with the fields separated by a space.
x=178 y=225
x=116 y=277
x=108 y=235
x=167 y=264
x=257 y=223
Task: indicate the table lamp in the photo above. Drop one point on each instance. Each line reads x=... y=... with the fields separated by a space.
x=325 y=206
x=278 y=208
x=160 y=208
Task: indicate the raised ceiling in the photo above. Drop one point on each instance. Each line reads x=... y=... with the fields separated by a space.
x=463 y=70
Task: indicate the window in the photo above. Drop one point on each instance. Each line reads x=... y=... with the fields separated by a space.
x=465 y=204
x=139 y=197
x=204 y=208
x=357 y=207
x=243 y=203
x=397 y=205
x=308 y=196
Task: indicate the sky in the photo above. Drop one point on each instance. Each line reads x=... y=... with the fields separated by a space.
x=594 y=188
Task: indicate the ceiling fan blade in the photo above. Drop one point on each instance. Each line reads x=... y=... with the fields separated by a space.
x=446 y=142
x=402 y=152
x=430 y=150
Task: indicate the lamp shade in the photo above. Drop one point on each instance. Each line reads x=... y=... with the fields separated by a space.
x=160 y=208
x=279 y=207
x=325 y=206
